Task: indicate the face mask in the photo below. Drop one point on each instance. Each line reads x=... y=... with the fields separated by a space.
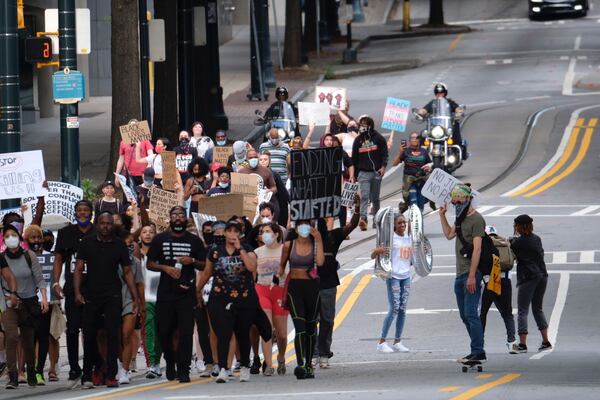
x=461 y=208
x=159 y=150
x=208 y=237
x=219 y=240
x=266 y=220
x=253 y=162
x=12 y=242
x=268 y=238
x=303 y=230
x=177 y=227
x=224 y=185
x=274 y=142
x=221 y=142
x=184 y=142
x=148 y=182
x=363 y=129
x=48 y=246
x=84 y=222
x=353 y=129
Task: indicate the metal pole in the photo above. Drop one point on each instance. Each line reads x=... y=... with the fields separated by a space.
x=279 y=54
x=10 y=107
x=264 y=36
x=257 y=51
x=317 y=26
x=406 y=15
x=69 y=137
x=217 y=110
x=184 y=55
x=144 y=59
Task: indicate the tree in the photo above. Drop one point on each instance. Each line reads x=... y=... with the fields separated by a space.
x=125 y=67
x=165 y=123
x=292 y=51
x=436 y=13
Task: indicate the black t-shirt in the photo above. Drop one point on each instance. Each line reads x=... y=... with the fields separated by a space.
x=232 y=282
x=68 y=241
x=183 y=158
x=102 y=261
x=332 y=240
x=414 y=160
x=165 y=249
x=529 y=253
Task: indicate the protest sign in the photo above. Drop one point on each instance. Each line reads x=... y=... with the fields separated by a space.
x=59 y=204
x=9 y=210
x=129 y=193
x=200 y=219
x=47 y=265
x=249 y=185
x=316 y=183
x=334 y=96
x=395 y=114
x=135 y=132
x=221 y=154
x=313 y=113
x=169 y=172
x=348 y=192
x=439 y=185
x=222 y=207
x=161 y=204
x=21 y=174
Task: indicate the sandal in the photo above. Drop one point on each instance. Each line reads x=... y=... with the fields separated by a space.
x=52 y=377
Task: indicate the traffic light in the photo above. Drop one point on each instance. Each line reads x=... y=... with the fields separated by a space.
x=38 y=49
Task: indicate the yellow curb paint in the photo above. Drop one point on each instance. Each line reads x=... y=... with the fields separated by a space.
x=476 y=391
x=484 y=376
x=454 y=43
x=194 y=381
x=133 y=391
x=449 y=389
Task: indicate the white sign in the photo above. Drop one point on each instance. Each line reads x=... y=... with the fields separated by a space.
x=59 y=204
x=9 y=210
x=72 y=122
x=82 y=30
x=21 y=174
x=439 y=185
x=129 y=194
x=200 y=219
x=334 y=96
x=349 y=190
x=313 y=113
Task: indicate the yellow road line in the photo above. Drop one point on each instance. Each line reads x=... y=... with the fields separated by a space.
x=556 y=167
x=194 y=381
x=454 y=43
x=484 y=376
x=133 y=391
x=344 y=283
x=585 y=145
x=449 y=389
x=476 y=391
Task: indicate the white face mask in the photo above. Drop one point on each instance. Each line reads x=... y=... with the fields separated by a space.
x=253 y=162
x=12 y=242
x=268 y=238
x=266 y=220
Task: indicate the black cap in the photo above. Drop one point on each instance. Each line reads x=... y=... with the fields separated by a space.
x=149 y=173
x=108 y=183
x=523 y=219
x=233 y=224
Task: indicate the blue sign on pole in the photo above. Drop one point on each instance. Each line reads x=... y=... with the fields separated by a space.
x=68 y=86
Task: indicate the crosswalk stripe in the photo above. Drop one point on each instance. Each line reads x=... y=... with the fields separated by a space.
x=586 y=257
x=501 y=211
x=559 y=257
x=587 y=210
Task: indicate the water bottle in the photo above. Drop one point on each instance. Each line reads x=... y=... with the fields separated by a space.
x=178 y=265
x=8 y=303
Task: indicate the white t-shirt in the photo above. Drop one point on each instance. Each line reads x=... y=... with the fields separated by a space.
x=151 y=279
x=401 y=256
x=203 y=144
x=155 y=161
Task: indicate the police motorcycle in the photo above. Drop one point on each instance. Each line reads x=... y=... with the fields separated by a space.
x=286 y=127
x=445 y=152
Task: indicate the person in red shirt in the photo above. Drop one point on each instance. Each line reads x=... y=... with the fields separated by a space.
x=127 y=165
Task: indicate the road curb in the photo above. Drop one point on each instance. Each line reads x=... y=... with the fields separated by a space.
x=378 y=69
x=416 y=32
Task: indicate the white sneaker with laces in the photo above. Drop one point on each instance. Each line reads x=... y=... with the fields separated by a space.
x=324 y=362
x=223 y=376
x=399 y=347
x=512 y=347
x=384 y=348
x=123 y=377
x=199 y=366
x=244 y=374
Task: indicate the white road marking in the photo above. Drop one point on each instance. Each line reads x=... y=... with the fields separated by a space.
x=582 y=57
x=587 y=210
x=567 y=89
x=559 y=306
x=270 y=394
x=548 y=23
x=490 y=62
x=559 y=150
x=395 y=361
x=501 y=28
x=116 y=390
x=561 y=22
x=423 y=311
x=507 y=61
x=559 y=257
x=532 y=98
x=501 y=211
x=577 y=45
x=487 y=103
x=564 y=58
x=483 y=209
x=586 y=257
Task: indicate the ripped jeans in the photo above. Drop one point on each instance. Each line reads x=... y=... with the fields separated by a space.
x=398 y=291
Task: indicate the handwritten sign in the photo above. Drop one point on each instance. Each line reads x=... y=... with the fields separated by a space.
x=21 y=175
x=348 y=192
x=200 y=219
x=395 y=114
x=334 y=96
x=249 y=185
x=59 y=204
x=135 y=132
x=222 y=207
x=169 y=173
x=129 y=193
x=316 y=183
x=439 y=185
x=313 y=113
x=221 y=154
x=161 y=204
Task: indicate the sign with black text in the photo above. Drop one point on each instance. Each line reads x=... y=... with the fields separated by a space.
x=59 y=204
x=21 y=174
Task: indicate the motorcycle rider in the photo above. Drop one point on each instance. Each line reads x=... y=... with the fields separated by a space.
x=283 y=108
x=417 y=163
x=441 y=90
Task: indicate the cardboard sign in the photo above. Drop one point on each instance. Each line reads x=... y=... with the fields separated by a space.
x=333 y=96
x=169 y=173
x=135 y=132
x=221 y=154
x=249 y=185
x=22 y=175
x=439 y=185
x=129 y=193
x=161 y=204
x=59 y=204
x=313 y=113
x=200 y=219
x=395 y=114
x=348 y=192
x=316 y=183
x=222 y=207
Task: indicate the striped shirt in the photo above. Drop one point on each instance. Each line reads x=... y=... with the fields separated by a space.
x=279 y=155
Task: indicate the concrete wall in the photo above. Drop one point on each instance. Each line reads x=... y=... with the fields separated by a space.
x=99 y=58
x=242 y=12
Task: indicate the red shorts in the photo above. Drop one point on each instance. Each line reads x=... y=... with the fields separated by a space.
x=271 y=298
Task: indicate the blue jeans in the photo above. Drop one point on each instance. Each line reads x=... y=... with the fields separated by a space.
x=398 y=291
x=468 y=305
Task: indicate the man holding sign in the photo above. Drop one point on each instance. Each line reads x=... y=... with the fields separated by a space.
x=127 y=164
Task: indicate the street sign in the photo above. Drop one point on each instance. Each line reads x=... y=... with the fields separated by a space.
x=82 y=31
x=68 y=86
x=38 y=49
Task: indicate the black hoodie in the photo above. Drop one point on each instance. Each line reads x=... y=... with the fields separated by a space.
x=369 y=152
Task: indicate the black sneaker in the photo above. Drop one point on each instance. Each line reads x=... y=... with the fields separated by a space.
x=184 y=378
x=255 y=368
x=2 y=368
x=13 y=380
x=545 y=346
x=300 y=372
x=171 y=372
x=479 y=357
x=310 y=373
x=522 y=348
x=31 y=379
x=465 y=358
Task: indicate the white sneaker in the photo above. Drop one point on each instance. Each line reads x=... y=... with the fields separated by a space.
x=384 y=348
x=205 y=373
x=244 y=374
x=123 y=377
x=133 y=365
x=324 y=362
x=223 y=376
x=230 y=372
x=399 y=347
x=215 y=370
x=512 y=347
x=199 y=365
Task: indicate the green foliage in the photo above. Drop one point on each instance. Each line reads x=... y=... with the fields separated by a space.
x=329 y=72
x=89 y=191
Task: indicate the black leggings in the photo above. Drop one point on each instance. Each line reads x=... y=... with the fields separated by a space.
x=177 y=316
x=42 y=338
x=303 y=303
x=503 y=304
x=227 y=319
x=201 y=315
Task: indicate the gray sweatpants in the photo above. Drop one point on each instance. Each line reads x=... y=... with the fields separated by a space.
x=370 y=186
x=531 y=292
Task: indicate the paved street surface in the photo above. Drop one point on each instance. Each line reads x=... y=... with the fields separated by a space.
x=535 y=149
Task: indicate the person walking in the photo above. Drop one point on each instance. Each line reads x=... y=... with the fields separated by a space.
x=532 y=279
x=278 y=152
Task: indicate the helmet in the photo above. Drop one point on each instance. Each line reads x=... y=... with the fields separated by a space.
x=281 y=91
x=440 y=88
x=490 y=230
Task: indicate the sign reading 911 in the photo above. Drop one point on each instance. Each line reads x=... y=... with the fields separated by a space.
x=316 y=176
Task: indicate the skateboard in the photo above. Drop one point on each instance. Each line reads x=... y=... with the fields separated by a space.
x=471 y=366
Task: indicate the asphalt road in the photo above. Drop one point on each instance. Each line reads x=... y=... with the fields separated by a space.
x=535 y=150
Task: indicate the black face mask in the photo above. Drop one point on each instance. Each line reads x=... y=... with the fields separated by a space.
x=48 y=246
x=35 y=247
x=184 y=142
x=219 y=240
x=177 y=227
x=208 y=238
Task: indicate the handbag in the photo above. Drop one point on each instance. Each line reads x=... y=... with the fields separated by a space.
x=58 y=322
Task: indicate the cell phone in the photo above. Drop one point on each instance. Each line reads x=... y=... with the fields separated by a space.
x=403 y=142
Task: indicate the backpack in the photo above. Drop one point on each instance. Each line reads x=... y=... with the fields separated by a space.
x=507 y=257
x=488 y=251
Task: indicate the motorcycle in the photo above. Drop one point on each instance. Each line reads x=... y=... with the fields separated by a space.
x=285 y=126
x=445 y=153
